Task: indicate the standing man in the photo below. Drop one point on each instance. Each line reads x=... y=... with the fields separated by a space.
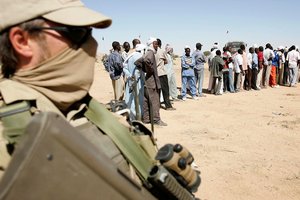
x=281 y=64
x=188 y=74
x=171 y=74
x=274 y=69
x=286 y=72
x=260 y=56
x=226 y=80
x=115 y=70
x=268 y=56
x=134 y=90
x=254 y=69
x=293 y=58
x=126 y=50
x=161 y=60
x=216 y=70
x=230 y=69
x=134 y=43
x=152 y=84
x=238 y=70
x=199 y=68
x=211 y=56
x=248 y=81
x=244 y=76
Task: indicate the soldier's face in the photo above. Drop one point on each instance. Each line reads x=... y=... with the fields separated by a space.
x=48 y=44
x=32 y=49
x=52 y=43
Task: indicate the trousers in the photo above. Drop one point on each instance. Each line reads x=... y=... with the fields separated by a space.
x=165 y=90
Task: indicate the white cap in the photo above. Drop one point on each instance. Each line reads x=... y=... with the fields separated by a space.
x=187 y=47
x=140 y=47
x=151 y=40
x=216 y=45
x=255 y=46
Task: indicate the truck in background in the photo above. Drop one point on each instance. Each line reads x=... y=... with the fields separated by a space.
x=234 y=45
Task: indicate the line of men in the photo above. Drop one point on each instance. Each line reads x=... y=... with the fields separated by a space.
x=142 y=76
x=257 y=69
x=145 y=78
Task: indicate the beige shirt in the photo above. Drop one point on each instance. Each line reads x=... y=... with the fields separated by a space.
x=161 y=60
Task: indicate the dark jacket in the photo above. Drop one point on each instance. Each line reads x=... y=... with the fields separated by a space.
x=217 y=66
x=148 y=64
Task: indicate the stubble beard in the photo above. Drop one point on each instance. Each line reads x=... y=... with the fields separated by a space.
x=44 y=52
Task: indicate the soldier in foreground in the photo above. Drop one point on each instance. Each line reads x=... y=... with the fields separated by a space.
x=57 y=142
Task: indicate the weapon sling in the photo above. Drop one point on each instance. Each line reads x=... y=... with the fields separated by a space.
x=121 y=136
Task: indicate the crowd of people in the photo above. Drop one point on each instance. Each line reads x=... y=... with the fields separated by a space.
x=146 y=76
x=259 y=68
x=143 y=74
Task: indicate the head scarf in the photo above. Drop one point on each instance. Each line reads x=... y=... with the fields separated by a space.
x=150 y=43
x=169 y=48
x=65 y=78
x=151 y=40
x=140 y=47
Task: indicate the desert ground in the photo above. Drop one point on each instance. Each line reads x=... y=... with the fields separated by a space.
x=247 y=144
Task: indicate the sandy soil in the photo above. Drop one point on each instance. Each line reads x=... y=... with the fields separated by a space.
x=247 y=144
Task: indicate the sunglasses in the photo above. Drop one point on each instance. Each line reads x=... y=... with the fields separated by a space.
x=76 y=35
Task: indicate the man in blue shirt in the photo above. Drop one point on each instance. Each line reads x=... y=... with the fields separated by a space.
x=187 y=74
x=274 y=70
x=199 y=68
x=115 y=70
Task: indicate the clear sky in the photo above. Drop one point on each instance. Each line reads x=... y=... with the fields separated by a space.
x=181 y=23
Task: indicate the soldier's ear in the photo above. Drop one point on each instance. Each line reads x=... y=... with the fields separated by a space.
x=20 y=41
